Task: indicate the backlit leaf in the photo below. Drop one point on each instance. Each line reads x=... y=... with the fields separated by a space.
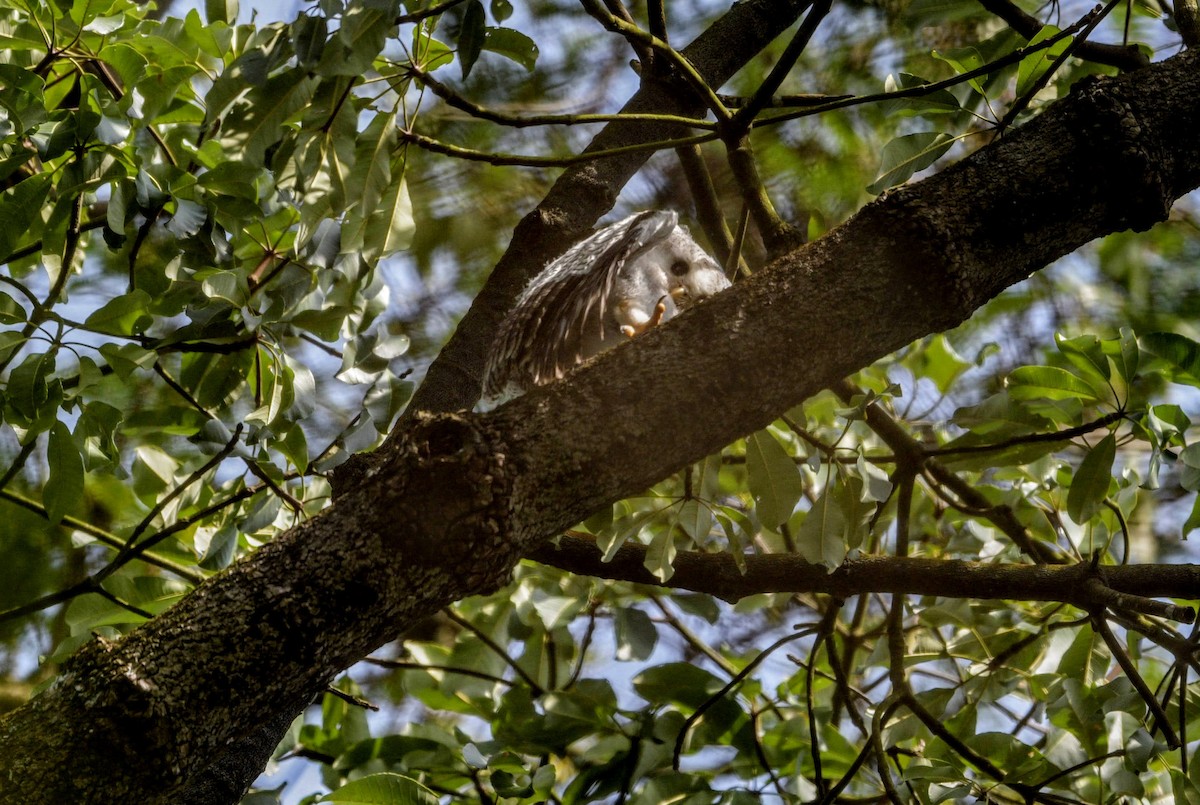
x=1090 y=485
x=1047 y=382
x=64 y=486
x=774 y=479
x=382 y=789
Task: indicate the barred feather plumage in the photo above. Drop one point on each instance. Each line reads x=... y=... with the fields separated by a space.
x=611 y=282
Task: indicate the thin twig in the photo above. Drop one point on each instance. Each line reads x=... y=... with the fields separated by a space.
x=486 y=639
x=1161 y=720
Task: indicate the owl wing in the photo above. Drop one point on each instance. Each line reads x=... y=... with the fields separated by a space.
x=544 y=335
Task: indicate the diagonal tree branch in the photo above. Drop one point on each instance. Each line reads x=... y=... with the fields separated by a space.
x=921 y=259
x=1125 y=57
x=457 y=498
x=586 y=191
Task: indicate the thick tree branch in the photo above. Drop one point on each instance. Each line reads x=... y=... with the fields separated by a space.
x=919 y=260
x=586 y=191
x=447 y=509
x=1125 y=57
x=716 y=574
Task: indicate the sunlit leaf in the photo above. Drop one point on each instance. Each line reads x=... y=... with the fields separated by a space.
x=1128 y=364
x=965 y=60
x=1048 y=382
x=941 y=363
x=821 y=535
x=1086 y=353
x=64 y=486
x=1180 y=352
x=774 y=479
x=382 y=789
x=1089 y=487
x=660 y=554
x=257 y=122
x=390 y=227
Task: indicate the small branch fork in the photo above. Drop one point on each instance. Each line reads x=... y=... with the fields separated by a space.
x=1124 y=596
x=1104 y=593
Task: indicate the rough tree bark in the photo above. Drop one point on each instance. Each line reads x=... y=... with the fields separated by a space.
x=587 y=190
x=458 y=498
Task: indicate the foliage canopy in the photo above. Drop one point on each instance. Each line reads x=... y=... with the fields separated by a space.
x=231 y=247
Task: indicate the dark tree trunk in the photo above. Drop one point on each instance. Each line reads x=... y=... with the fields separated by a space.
x=455 y=499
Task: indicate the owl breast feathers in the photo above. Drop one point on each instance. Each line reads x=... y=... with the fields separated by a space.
x=617 y=283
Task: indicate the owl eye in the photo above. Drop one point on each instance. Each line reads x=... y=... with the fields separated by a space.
x=680 y=267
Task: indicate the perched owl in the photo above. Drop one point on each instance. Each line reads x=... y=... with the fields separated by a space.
x=618 y=283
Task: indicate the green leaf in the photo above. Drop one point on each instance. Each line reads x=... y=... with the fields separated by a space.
x=372 y=171
x=660 y=554
x=696 y=519
x=937 y=102
x=1047 y=382
x=27 y=388
x=678 y=682
x=1127 y=366
x=941 y=363
x=390 y=228
x=508 y=784
x=471 y=36
x=1183 y=790
x=309 y=34
x=126 y=358
x=225 y=11
x=964 y=60
x=127 y=314
x=876 y=486
x=905 y=155
x=383 y=789
x=218 y=550
x=501 y=10
x=428 y=53
x=1193 y=519
x=1182 y=353
x=362 y=35
x=257 y=121
x=1087 y=353
x=64 y=485
x=19 y=208
x=610 y=540
x=1090 y=485
x=821 y=535
x=635 y=634
x=1189 y=472
x=1034 y=66
x=512 y=45
x=774 y=479
x=229 y=286
x=10 y=311
x=95 y=430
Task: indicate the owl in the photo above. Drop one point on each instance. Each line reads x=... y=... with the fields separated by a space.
x=616 y=284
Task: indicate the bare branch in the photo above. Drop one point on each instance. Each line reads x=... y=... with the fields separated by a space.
x=717 y=574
